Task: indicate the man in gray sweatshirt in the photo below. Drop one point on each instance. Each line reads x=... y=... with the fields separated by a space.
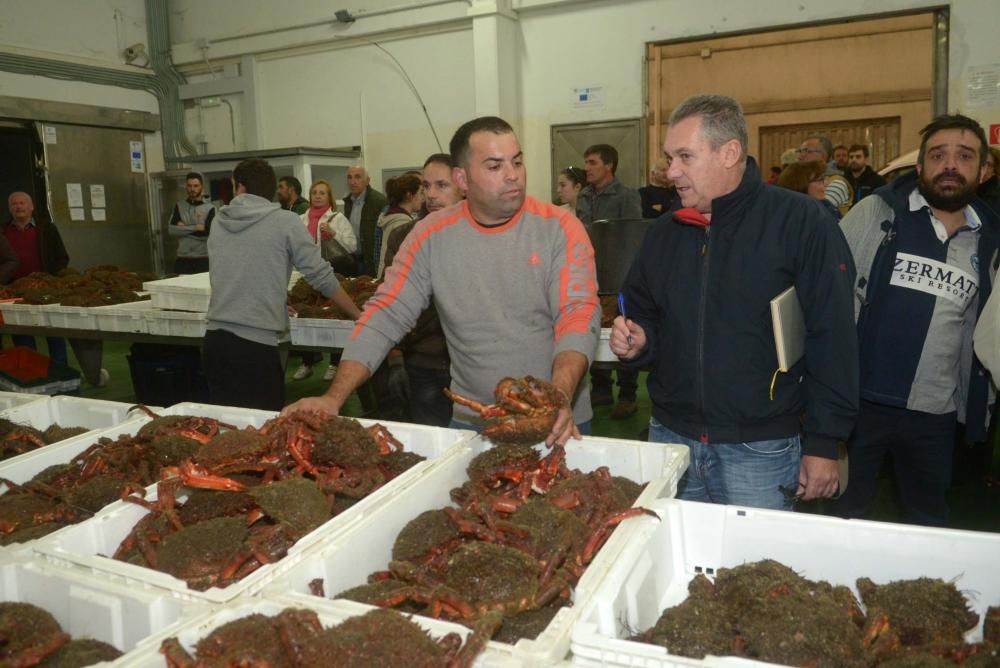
x=513 y=281
x=253 y=248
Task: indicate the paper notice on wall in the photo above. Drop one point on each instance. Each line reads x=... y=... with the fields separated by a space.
x=50 y=135
x=585 y=97
x=136 y=157
x=97 y=196
x=982 y=88
x=74 y=194
x=97 y=214
x=76 y=213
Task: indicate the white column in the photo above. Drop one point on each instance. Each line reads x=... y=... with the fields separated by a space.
x=495 y=40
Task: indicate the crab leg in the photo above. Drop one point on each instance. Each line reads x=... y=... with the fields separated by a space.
x=193 y=475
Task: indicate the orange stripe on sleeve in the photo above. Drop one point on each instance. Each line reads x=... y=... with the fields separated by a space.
x=389 y=291
x=577 y=280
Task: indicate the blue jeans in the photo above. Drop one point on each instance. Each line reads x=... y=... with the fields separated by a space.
x=738 y=474
x=584 y=427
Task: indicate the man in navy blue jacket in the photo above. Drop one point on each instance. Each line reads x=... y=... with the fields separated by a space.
x=697 y=299
x=925 y=247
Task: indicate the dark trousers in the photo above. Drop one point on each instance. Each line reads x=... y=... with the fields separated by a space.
x=190 y=265
x=242 y=373
x=921 y=446
x=57 y=346
x=428 y=403
x=628 y=381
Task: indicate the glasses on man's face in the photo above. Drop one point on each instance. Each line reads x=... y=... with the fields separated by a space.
x=806 y=149
x=818 y=179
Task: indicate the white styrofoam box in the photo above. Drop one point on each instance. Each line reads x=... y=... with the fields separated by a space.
x=69 y=317
x=175 y=323
x=603 y=353
x=118 y=615
x=653 y=571
x=127 y=317
x=321 y=332
x=11 y=399
x=29 y=315
x=84 y=544
x=345 y=560
x=189 y=631
x=69 y=412
x=190 y=292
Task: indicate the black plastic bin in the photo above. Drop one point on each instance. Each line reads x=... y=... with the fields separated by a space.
x=163 y=375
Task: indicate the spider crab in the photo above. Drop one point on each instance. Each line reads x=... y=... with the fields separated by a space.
x=525 y=410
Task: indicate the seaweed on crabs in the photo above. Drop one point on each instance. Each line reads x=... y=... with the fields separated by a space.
x=28 y=634
x=81 y=652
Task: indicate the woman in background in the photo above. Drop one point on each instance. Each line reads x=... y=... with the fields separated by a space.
x=571 y=181
x=326 y=224
x=808 y=178
x=406 y=196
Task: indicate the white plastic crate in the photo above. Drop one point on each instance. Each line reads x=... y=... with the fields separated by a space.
x=118 y=615
x=653 y=571
x=189 y=631
x=68 y=412
x=84 y=544
x=603 y=353
x=175 y=323
x=321 y=332
x=345 y=560
x=28 y=315
x=129 y=317
x=69 y=317
x=191 y=292
x=9 y=400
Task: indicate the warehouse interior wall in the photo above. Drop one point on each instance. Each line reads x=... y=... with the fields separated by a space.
x=318 y=82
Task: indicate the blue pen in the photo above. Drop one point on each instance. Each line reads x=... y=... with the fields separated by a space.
x=621 y=309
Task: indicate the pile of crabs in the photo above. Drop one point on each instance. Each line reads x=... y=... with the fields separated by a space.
x=768 y=612
x=309 y=303
x=296 y=637
x=67 y=493
x=16 y=439
x=30 y=636
x=249 y=494
x=522 y=531
x=98 y=286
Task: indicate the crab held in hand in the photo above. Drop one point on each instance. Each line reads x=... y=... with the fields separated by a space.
x=525 y=410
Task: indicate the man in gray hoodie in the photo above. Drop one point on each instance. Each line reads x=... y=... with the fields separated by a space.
x=253 y=248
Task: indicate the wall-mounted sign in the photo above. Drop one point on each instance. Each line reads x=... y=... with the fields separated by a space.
x=588 y=97
x=982 y=88
x=136 y=157
x=50 y=135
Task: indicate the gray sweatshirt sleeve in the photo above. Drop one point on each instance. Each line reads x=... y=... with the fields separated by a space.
x=307 y=258
x=393 y=310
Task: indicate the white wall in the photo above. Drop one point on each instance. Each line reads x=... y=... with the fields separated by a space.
x=90 y=32
x=604 y=44
x=312 y=93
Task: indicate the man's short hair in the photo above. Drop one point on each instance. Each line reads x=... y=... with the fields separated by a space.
x=608 y=153
x=858 y=147
x=721 y=116
x=953 y=122
x=292 y=183
x=839 y=146
x=459 y=144
x=257 y=176
x=824 y=144
x=440 y=158
x=196 y=176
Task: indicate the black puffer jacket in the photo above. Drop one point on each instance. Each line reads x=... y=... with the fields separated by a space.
x=702 y=295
